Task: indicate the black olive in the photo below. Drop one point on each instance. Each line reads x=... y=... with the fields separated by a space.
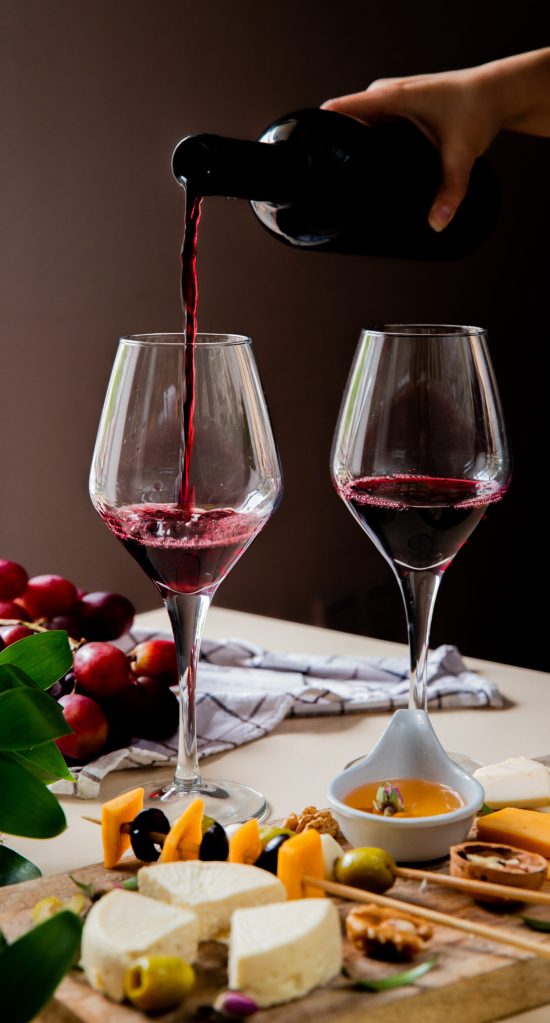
x=147 y=822
x=267 y=859
x=214 y=845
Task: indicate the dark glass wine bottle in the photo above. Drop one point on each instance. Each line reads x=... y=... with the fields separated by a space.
x=321 y=180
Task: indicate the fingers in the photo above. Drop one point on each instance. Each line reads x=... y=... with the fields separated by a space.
x=379 y=100
x=456 y=166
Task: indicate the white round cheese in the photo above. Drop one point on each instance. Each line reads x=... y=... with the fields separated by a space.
x=281 y=952
x=122 y=926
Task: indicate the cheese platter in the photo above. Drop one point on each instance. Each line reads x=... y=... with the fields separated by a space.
x=309 y=945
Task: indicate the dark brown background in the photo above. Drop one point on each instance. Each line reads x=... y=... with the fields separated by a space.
x=94 y=97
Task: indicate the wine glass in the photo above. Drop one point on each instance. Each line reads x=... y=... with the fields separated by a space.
x=420 y=451
x=185 y=473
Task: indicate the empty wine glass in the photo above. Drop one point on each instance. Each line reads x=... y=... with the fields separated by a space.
x=185 y=473
x=419 y=453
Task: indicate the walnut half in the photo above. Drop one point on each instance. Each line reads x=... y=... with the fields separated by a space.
x=311 y=817
x=386 y=934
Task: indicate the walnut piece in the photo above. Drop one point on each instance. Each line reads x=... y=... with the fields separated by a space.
x=385 y=933
x=311 y=817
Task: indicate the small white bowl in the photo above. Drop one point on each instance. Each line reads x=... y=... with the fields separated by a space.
x=409 y=748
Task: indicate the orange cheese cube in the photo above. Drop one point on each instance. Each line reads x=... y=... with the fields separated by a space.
x=120 y=810
x=301 y=856
x=185 y=836
x=245 y=845
x=527 y=829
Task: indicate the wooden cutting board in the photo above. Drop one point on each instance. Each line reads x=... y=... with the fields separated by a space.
x=474 y=982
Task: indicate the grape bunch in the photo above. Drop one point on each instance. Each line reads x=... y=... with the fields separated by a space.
x=108 y=697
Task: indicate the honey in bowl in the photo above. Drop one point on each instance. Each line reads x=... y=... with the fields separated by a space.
x=404 y=797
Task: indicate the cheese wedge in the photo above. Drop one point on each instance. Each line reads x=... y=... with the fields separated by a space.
x=526 y=829
x=211 y=889
x=281 y=952
x=123 y=926
x=516 y=782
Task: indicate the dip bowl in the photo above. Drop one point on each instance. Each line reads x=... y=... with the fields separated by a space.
x=409 y=748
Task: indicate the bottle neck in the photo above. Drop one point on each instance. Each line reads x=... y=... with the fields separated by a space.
x=236 y=168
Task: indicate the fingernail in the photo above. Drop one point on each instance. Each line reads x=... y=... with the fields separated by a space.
x=440 y=217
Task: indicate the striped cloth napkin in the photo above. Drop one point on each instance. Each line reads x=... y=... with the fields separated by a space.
x=244 y=691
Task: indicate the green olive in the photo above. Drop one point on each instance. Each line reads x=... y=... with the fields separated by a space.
x=270 y=831
x=158 y=983
x=368 y=868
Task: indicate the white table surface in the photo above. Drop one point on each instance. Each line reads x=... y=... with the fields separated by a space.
x=293 y=765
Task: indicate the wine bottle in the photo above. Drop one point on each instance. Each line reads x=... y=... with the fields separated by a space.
x=325 y=181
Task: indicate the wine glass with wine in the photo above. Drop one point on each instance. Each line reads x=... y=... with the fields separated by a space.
x=185 y=473
x=420 y=452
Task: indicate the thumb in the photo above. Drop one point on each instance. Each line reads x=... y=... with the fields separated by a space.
x=456 y=166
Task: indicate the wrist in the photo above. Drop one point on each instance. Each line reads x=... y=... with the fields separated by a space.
x=518 y=89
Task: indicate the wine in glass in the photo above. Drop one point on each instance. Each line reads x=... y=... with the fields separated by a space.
x=185 y=473
x=419 y=453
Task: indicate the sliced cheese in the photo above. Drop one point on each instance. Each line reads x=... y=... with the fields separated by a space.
x=526 y=829
x=281 y=952
x=213 y=890
x=516 y=782
x=332 y=851
x=122 y=926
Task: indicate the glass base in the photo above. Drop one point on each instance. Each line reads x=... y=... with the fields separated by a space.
x=228 y=802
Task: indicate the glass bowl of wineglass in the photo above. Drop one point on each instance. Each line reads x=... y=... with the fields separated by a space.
x=420 y=452
x=185 y=474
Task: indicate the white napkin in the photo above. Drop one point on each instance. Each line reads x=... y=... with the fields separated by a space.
x=243 y=692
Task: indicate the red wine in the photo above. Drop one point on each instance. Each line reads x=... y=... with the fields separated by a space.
x=190 y=299
x=180 y=551
x=418 y=522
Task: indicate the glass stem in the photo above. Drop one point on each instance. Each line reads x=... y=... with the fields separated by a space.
x=187 y=615
x=419 y=590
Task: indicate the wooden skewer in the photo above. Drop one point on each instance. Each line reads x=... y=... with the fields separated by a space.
x=345 y=891
x=155 y=836
x=464 y=884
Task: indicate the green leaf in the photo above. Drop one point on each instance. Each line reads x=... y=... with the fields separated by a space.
x=536 y=923
x=27 y=807
x=484 y=810
x=3 y=942
x=45 y=954
x=89 y=890
x=397 y=979
x=29 y=718
x=12 y=677
x=44 y=762
x=45 y=657
x=15 y=868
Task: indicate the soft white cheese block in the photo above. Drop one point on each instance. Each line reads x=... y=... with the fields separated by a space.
x=122 y=926
x=280 y=952
x=515 y=782
x=213 y=890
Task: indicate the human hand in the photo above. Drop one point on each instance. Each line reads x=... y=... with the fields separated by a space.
x=457 y=110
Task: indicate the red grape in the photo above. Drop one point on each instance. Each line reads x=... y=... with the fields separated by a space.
x=49 y=595
x=157 y=659
x=12 y=633
x=10 y=610
x=89 y=726
x=151 y=710
x=101 y=670
x=106 y=615
x=13 y=579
